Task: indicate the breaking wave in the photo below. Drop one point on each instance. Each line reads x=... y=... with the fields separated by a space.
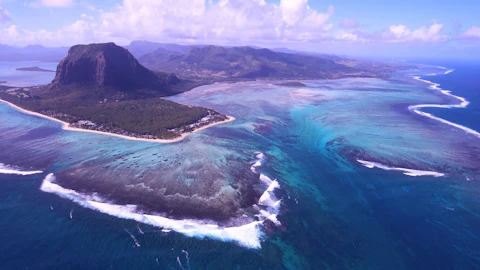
x=449 y=71
x=409 y=172
x=258 y=162
x=247 y=235
x=268 y=203
x=7 y=169
x=463 y=104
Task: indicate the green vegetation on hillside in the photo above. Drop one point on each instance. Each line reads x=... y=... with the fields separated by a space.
x=155 y=117
x=103 y=87
x=216 y=63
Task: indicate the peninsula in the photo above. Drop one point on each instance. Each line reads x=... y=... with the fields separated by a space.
x=34 y=69
x=292 y=84
x=103 y=88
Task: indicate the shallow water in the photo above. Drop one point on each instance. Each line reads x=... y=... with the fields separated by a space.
x=333 y=213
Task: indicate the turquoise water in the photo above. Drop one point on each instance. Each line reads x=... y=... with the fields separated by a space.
x=334 y=213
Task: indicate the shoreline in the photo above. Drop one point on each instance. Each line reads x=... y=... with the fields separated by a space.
x=66 y=126
x=246 y=234
x=244 y=231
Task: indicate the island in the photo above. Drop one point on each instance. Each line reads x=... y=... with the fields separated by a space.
x=3 y=82
x=103 y=88
x=292 y=84
x=34 y=69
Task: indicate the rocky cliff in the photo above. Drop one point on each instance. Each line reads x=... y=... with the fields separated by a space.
x=110 y=66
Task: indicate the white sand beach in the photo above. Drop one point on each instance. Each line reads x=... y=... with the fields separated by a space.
x=66 y=126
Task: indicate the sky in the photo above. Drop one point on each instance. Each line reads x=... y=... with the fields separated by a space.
x=407 y=28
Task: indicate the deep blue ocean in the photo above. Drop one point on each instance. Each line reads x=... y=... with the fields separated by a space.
x=464 y=81
x=413 y=204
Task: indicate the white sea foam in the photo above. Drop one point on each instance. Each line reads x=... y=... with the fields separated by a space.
x=273 y=218
x=268 y=203
x=449 y=71
x=265 y=179
x=247 y=235
x=268 y=197
x=180 y=263
x=264 y=215
x=140 y=230
x=6 y=169
x=463 y=104
x=409 y=172
x=187 y=257
x=133 y=238
x=257 y=163
x=259 y=155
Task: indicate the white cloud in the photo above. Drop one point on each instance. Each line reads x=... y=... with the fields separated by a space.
x=240 y=22
x=352 y=36
x=85 y=16
x=88 y=6
x=347 y=36
x=4 y=16
x=79 y=32
x=50 y=3
x=225 y=21
x=394 y=34
x=155 y=19
x=401 y=33
x=471 y=35
x=473 y=32
x=349 y=23
x=293 y=10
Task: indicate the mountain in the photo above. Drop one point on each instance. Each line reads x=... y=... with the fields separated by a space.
x=139 y=48
x=242 y=63
x=110 y=67
x=32 y=53
x=104 y=88
x=322 y=55
x=160 y=57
